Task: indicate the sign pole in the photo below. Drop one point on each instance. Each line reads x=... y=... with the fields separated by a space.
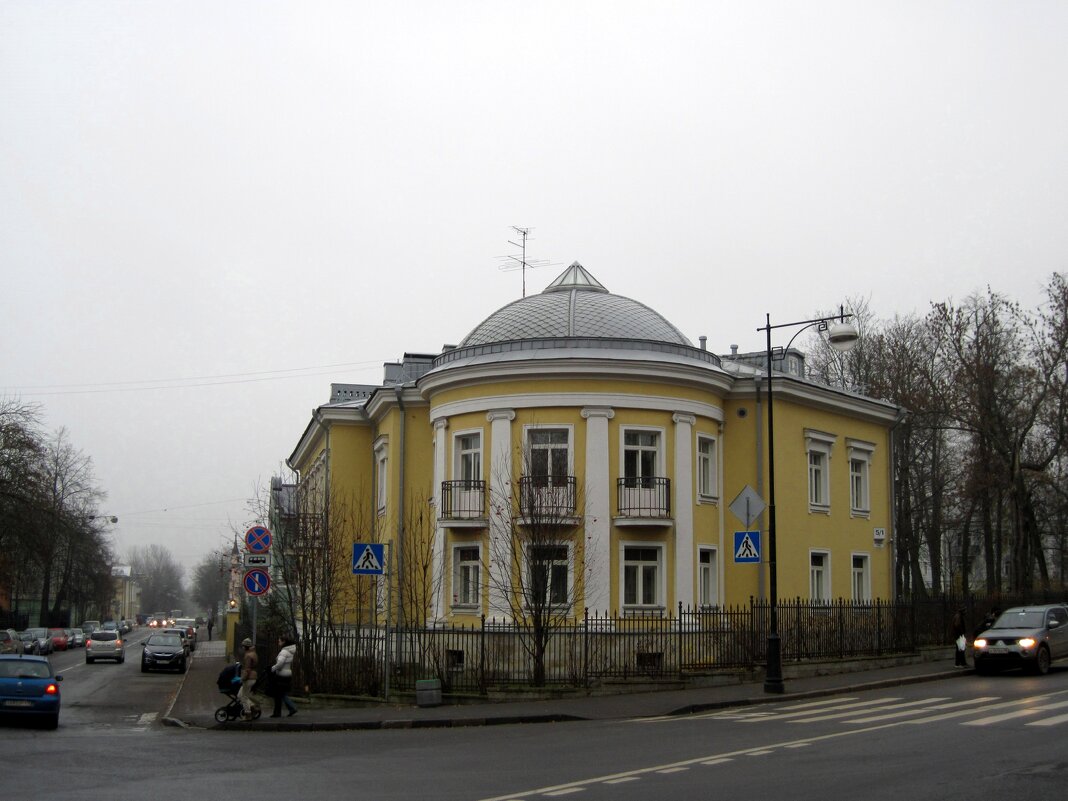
x=389 y=618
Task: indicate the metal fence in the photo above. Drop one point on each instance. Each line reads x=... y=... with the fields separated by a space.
x=491 y=655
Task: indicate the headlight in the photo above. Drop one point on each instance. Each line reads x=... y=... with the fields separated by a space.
x=980 y=643
x=1027 y=642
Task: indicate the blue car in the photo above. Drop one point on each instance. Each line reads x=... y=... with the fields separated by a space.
x=29 y=689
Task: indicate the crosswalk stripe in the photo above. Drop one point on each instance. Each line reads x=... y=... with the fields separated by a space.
x=1019 y=713
x=859 y=705
x=904 y=713
x=886 y=708
x=988 y=708
x=1054 y=721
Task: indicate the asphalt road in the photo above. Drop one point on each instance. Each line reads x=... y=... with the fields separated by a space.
x=1000 y=736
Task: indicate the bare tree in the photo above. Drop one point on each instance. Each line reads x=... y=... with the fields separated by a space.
x=159 y=574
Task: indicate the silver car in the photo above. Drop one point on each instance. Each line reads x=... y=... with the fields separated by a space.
x=105 y=645
x=1023 y=637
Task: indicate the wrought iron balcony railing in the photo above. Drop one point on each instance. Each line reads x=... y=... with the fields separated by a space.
x=464 y=499
x=648 y=496
x=546 y=497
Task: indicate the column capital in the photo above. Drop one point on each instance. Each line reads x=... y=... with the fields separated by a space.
x=598 y=411
x=684 y=418
x=439 y=423
x=500 y=414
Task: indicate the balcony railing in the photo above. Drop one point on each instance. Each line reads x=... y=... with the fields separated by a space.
x=464 y=499
x=648 y=496
x=546 y=497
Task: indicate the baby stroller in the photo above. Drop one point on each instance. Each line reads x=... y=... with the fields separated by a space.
x=229 y=682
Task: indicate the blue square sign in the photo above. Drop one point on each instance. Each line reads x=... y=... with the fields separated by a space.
x=747 y=547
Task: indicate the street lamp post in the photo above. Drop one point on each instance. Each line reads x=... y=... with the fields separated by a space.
x=841 y=335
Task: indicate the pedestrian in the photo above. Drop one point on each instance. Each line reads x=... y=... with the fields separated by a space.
x=249 y=665
x=960 y=641
x=211 y=625
x=988 y=621
x=282 y=677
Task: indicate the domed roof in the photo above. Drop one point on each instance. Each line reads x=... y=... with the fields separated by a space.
x=575 y=305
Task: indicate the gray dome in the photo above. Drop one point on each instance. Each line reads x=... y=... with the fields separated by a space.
x=575 y=305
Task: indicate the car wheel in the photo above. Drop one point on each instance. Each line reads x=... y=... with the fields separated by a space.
x=182 y=667
x=144 y=668
x=1042 y=661
x=88 y=661
x=122 y=659
x=52 y=721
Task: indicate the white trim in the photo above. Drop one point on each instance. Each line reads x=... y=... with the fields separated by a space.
x=659 y=469
x=569 y=427
x=662 y=403
x=456 y=454
x=822 y=443
x=717 y=594
x=866 y=590
x=661 y=577
x=456 y=606
x=706 y=497
x=826 y=570
x=569 y=565
x=597 y=551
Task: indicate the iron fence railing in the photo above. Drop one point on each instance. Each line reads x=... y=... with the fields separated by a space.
x=647 y=496
x=493 y=655
x=463 y=499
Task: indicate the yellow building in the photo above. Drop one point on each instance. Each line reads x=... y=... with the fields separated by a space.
x=576 y=449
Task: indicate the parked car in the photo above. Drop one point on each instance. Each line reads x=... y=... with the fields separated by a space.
x=59 y=639
x=10 y=642
x=29 y=689
x=190 y=625
x=89 y=626
x=164 y=651
x=182 y=633
x=105 y=645
x=1023 y=637
x=44 y=641
x=75 y=638
x=29 y=643
x=110 y=625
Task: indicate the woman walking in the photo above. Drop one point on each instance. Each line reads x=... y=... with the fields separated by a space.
x=282 y=677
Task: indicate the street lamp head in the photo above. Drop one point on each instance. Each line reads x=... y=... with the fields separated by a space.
x=842 y=336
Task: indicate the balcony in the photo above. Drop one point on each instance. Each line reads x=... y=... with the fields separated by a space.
x=545 y=499
x=645 y=498
x=463 y=501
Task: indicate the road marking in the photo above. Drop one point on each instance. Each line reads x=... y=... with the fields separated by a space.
x=853 y=708
x=673 y=770
x=567 y=791
x=886 y=708
x=1019 y=713
x=720 y=761
x=622 y=780
x=989 y=708
x=904 y=713
x=1054 y=721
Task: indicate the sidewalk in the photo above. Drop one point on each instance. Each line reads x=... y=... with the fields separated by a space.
x=198 y=698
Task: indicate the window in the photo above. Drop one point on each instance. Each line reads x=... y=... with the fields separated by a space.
x=381 y=473
x=469 y=458
x=640 y=455
x=641 y=575
x=861 y=578
x=860 y=454
x=819 y=577
x=466 y=587
x=549 y=455
x=708 y=577
x=706 y=468
x=549 y=574
x=819 y=447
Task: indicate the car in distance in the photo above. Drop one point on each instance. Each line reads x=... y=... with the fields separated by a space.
x=59 y=639
x=190 y=625
x=29 y=689
x=44 y=641
x=183 y=634
x=89 y=626
x=1023 y=637
x=10 y=642
x=105 y=645
x=163 y=651
x=75 y=638
x=29 y=643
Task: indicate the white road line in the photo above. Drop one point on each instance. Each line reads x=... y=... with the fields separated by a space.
x=989 y=708
x=853 y=708
x=1054 y=721
x=567 y=791
x=622 y=780
x=904 y=713
x=886 y=708
x=1019 y=713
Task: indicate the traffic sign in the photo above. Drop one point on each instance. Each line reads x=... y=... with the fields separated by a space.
x=257 y=581
x=257 y=540
x=368 y=558
x=747 y=506
x=747 y=547
x=256 y=559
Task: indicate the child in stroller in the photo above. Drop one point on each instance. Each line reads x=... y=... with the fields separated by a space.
x=229 y=682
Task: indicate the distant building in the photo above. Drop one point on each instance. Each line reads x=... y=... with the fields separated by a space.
x=599 y=404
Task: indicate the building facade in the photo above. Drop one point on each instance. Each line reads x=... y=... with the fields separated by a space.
x=577 y=450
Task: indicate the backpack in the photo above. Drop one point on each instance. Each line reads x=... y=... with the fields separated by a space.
x=225 y=681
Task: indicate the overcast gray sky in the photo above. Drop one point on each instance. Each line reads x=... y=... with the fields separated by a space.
x=210 y=210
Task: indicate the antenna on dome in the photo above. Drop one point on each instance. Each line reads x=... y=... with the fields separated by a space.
x=520 y=262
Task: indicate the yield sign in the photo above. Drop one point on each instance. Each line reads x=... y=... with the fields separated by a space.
x=257 y=540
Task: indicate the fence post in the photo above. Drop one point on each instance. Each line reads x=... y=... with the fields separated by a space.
x=482 y=657
x=586 y=648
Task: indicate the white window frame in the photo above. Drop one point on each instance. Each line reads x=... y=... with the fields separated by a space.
x=860 y=578
x=458 y=568
x=570 y=445
x=657 y=449
x=461 y=454
x=708 y=577
x=860 y=456
x=567 y=562
x=381 y=449
x=819 y=577
x=820 y=445
x=656 y=603
x=707 y=469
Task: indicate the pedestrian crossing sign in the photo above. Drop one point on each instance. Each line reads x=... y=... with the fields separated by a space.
x=368 y=558
x=747 y=547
